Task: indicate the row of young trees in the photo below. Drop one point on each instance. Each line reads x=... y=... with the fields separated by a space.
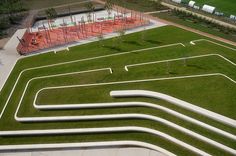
x=201 y=20
x=109 y=5
x=90 y=7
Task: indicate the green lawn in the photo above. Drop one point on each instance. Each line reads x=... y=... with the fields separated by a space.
x=215 y=93
x=226 y=6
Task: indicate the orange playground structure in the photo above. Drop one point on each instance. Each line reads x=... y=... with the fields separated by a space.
x=51 y=37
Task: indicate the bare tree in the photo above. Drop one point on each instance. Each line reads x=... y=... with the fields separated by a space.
x=51 y=14
x=100 y=39
x=168 y=67
x=121 y=33
x=90 y=7
x=143 y=34
x=185 y=59
x=109 y=6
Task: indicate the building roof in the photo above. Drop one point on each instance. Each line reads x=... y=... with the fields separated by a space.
x=208 y=8
x=177 y=1
x=191 y=3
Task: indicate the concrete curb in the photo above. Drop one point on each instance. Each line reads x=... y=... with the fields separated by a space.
x=85 y=145
x=175 y=101
x=121 y=129
x=134 y=104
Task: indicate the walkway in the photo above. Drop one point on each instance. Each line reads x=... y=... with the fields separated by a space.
x=9 y=57
x=129 y=151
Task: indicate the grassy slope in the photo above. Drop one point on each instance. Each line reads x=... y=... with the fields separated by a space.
x=165 y=36
x=227 y=6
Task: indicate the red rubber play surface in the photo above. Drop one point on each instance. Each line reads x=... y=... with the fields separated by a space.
x=48 y=38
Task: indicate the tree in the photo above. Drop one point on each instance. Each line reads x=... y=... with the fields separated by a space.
x=11 y=6
x=109 y=6
x=121 y=33
x=101 y=38
x=51 y=14
x=71 y=18
x=143 y=34
x=185 y=59
x=114 y=41
x=157 y=4
x=168 y=67
x=90 y=7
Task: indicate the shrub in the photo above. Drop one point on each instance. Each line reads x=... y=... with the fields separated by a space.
x=4 y=23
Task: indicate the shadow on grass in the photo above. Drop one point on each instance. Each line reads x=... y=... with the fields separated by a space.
x=195 y=66
x=113 y=48
x=153 y=41
x=173 y=73
x=133 y=42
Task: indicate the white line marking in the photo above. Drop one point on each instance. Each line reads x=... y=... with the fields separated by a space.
x=199 y=40
x=178 y=59
x=192 y=43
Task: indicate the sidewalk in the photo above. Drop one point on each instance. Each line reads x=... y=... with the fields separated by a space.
x=131 y=151
x=9 y=57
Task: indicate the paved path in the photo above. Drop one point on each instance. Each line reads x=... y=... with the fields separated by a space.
x=131 y=151
x=9 y=57
x=3 y=42
x=153 y=12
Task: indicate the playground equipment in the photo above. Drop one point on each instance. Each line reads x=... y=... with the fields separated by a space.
x=65 y=33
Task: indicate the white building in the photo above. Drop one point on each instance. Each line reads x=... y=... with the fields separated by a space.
x=232 y=17
x=208 y=8
x=177 y=1
x=191 y=4
x=196 y=7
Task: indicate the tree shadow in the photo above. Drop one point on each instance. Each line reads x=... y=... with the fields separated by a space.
x=113 y=48
x=195 y=66
x=133 y=42
x=173 y=73
x=153 y=41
